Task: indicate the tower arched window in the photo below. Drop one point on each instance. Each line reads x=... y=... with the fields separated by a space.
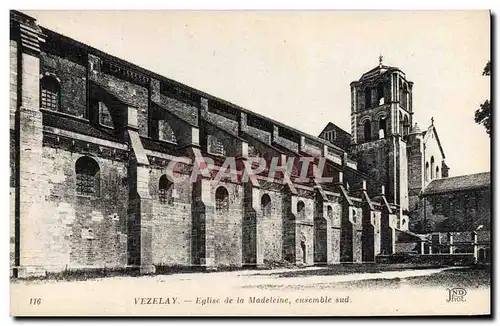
x=367 y=127
x=368 y=98
x=221 y=199
x=437 y=172
x=426 y=171
x=432 y=167
x=403 y=96
x=265 y=203
x=401 y=123
x=87 y=177
x=380 y=94
x=301 y=209
x=165 y=190
x=406 y=126
x=50 y=91
x=382 y=127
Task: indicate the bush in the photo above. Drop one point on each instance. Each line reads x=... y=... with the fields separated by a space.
x=278 y=264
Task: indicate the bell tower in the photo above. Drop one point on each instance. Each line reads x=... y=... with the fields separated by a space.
x=381 y=118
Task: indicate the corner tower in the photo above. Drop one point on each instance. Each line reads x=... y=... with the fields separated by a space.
x=381 y=117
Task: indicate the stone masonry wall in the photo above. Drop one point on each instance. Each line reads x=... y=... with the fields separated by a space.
x=13 y=81
x=304 y=231
x=171 y=223
x=336 y=231
x=135 y=94
x=272 y=227
x=68 y=217
x=73 y=83
x=228 y=226
x=372 y=159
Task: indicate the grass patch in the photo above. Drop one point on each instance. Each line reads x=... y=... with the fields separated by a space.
x=343 y=269
x=83 y=274
x=467 y=277
x=473 y=277
x=80 y=274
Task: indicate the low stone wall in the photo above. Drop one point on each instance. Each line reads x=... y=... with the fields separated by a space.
x=433 y=259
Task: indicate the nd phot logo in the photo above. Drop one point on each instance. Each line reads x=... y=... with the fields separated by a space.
x=456 y=295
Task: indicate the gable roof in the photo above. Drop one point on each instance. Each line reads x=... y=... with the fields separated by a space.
x=331 y=125
x=425 y=134
x=342 y=138
x=459 y=183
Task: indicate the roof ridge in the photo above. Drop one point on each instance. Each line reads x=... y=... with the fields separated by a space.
x=462 y=175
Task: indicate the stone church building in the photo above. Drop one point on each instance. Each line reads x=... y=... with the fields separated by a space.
x=92 y=136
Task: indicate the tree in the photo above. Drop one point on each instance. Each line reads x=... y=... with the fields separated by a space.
x=422 y=227
x=483 y=114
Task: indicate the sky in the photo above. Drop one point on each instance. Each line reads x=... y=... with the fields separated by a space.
x=296 y=66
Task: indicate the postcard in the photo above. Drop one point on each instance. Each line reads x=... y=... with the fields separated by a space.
x=250 y=163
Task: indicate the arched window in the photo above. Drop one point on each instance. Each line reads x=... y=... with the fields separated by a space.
x=221 y=199
x=426 y=171
x=367 y=130
x=481 y=255
x=104 y=115
x=165 y=132
x=437 y=172
x=216 y=146
x=165 y=190
x=329 y=212
x=401 y=123
x=380 y=94
x=253 y=152
x=406 y=126
x=382 y=125
x=403 y=96
x=368 y=98
x=330 y=135
x=87 y=177
x=265 y=203
x=301 y=209
x=50 y=93
x=268 y=157
x=432 y=167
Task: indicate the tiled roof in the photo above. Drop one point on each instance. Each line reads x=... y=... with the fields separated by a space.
x=127 y=65
x=460 y=183
x=378 y=70
x=157 y=145
x=483 y=236
x=408 y=236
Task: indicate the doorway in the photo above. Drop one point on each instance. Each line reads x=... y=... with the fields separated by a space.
x=304 y=252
